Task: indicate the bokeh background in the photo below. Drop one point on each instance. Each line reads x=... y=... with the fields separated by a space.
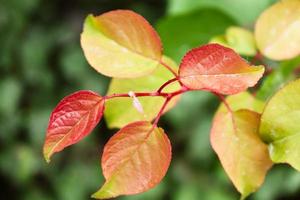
x=41 y=62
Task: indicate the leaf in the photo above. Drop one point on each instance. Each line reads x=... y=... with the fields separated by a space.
x=221 y=40
x=239 y=39
x=134 y=160
x=218 y=69
x=277 y=30
x=280 y=127
x=278 y=78
x=245 y=158
x=72 y=119
x=121 y=44
x=192 y=29
x=119 y=111
x=244 y=12
x=243 y=100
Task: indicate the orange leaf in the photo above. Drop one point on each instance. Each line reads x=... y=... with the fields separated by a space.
x=245 y=158
x=121 y=43
x=72 y=119
x=134 y=160
x=218 y=69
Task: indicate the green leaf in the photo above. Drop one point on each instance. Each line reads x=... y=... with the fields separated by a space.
x=219 y=39
x=183 y=32
x=245 y=158
x=244 y=11
x=239 y=39
x=120 y=111
x=280 y=127
x=279 y=77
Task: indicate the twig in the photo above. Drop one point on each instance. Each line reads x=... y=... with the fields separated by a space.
x=169 y=68
x=166 y=83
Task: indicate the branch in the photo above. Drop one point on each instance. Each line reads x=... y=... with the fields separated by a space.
x=149 y=94
x=166 y=83
x=170 y=69
x=161 y=111
x=221 y=97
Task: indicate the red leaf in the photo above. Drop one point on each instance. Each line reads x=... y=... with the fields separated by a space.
x=134 y=160
x=72 y=119
x=218 y=69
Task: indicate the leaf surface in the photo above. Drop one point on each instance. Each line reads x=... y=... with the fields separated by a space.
x=210 y=22
x=134 y=160
x=121 y=43
x=245 y=158
x=218 y=69
x=239 y=39
x=277 y=30
x=119 y=111
x=72 y=119
x=244 y=12
x=280 y=125
x=243 y=100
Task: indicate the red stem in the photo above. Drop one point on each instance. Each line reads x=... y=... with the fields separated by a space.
x=149 y=94
x=221 y=97
x=168 y=97
x=166 y=83
x=258 y=57
x=169 y=68
x=161 y=111
x=137 y=94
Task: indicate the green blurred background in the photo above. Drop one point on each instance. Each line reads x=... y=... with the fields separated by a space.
x=41 y=61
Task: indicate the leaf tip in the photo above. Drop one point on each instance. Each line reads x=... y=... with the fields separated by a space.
x=47 y=158
x=102 y=193
x=47 y=155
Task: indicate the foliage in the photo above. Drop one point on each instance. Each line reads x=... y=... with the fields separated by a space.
x=41 y=61
x=246 y=138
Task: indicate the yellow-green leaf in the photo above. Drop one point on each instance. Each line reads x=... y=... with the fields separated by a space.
x=277 y=30
x=245 y=158
x=239 y=39
x=121 y=43
x=280 y=125
x=119 y=111
x=243 y=100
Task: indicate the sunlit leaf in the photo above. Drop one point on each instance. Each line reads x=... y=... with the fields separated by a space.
x=220 y=39
x=245 y=158
x=218 y=69
x=239 y=39
x=277 y=30
x=119 y=111
x=72 y=119
x=134 y=160
x=243 y=100
x=280 y=125
x=121 y=43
